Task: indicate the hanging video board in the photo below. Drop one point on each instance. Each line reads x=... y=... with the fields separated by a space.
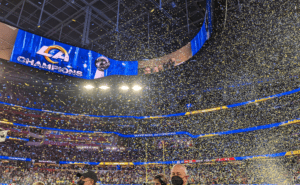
x=39 y=52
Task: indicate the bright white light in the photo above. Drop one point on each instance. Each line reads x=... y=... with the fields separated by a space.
x=104 y=87
x=136 y=88
x=124 y=87
x=89 y=87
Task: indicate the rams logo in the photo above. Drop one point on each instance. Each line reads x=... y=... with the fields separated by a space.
x=61 y=54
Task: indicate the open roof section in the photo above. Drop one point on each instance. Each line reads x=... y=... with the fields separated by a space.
x=65 y=20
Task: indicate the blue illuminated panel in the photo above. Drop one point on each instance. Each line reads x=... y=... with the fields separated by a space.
x=42 y=53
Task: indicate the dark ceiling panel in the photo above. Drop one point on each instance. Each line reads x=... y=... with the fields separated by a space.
x=52 y=22
x=100 y=5
x=62 y=15
x=76 y=36
x=7 y=4
x=80 y=19
x=12 y=18
x=111 y=14
x=37 y=2
x=89 y=1
x=50 y=8
x=167 y=26
x=25 y=13
x=77 y=3
x=57 y=3
x=70 y=11
x=93 y=35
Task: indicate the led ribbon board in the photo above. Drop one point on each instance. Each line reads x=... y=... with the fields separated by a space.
x=249 y=129
x=168 y=115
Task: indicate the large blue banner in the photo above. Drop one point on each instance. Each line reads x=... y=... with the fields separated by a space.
x=39 y=52
x=205 y=31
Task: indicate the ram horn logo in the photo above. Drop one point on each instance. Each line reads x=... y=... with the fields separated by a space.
x=59 y=55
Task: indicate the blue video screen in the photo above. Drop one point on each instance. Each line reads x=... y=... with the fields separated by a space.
x=42 y=53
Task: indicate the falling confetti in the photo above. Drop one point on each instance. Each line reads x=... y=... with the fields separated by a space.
x=254 y=54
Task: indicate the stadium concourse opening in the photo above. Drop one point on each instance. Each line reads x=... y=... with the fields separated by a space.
x=149 y=91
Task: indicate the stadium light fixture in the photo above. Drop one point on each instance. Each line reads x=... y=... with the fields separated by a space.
x=136 y=87
x=104 y=87
x=124 y=87
x=89 y=87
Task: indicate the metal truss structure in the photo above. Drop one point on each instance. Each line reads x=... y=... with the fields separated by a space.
x=119 y=29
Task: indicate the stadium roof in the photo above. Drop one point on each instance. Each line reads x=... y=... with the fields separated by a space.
x=96 y=24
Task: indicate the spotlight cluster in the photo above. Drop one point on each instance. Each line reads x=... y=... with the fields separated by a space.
x=123 y=87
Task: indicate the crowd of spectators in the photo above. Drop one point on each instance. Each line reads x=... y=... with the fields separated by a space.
x=158 y=97
x=267 y=141
x=225 y=71
x=261 y=113
x=170 y=64
x=243 y=63
x=284 y=170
